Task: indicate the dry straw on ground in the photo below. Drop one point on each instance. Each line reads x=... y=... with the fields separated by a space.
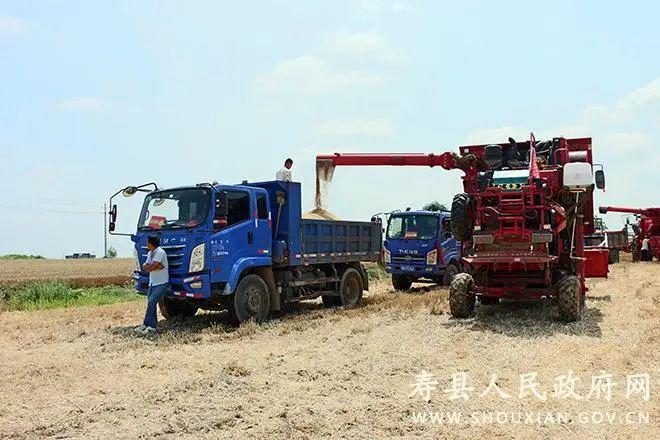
x=318 y=373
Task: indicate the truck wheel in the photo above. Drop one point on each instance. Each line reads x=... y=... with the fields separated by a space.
x=614 y=256
x=462 y=217
x=172 y=308
x=569 y=297
x=450 y=272
x=401 y=282
x=350 y=288
x=461 y=298
x=251 y=300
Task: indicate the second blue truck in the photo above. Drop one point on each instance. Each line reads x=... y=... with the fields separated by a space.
x=419 y=246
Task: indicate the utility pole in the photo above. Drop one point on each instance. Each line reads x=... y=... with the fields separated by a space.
x=105 y=231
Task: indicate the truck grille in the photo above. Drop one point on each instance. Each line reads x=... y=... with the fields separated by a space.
x=408 y=259
x=175 y=256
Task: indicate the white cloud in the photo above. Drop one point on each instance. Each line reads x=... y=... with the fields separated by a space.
x=368 y=127
x=644 y=95
x=11 y=24
x=80 y=103
x=312 y=74
x=360 y=44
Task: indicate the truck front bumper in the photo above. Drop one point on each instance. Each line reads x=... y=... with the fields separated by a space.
x=414 y=270
x=197 y=285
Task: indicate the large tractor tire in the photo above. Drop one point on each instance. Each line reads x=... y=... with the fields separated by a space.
x=401 y=282
x=172 y=308
x=462 y=217
x=614 y=256
x=251 y=301
x=461 y=297
x=570 y=299
x=450 y=272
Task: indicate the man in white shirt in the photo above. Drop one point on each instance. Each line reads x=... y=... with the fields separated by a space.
x=159 y=283
x=285 y=173
x=645 y=250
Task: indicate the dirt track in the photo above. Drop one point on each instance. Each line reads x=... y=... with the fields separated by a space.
x=79 y=373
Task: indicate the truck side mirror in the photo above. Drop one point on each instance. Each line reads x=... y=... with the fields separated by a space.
x=113 y=218
x=221 y=210
x=600 y=179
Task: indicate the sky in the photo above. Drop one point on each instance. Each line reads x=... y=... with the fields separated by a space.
x=95 y=96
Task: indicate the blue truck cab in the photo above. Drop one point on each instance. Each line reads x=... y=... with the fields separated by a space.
x=419 y=246
x=247 y=249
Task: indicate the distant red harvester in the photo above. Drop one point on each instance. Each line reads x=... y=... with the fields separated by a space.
x=647 y=226
x=522 y=221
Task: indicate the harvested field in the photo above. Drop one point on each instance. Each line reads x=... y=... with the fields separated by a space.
x=319 y=373
x=76 y=272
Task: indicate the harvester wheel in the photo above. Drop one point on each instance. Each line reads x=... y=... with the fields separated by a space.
x=614 y=256
x=401 y=282
x=462 y=217
x=172 y=308
x=251 y=300
x=570 y=299
x=350 y=288
x=450 y=272
x=461 y=298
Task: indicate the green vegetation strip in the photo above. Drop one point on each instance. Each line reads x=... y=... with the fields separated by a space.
x=55 y=295
x=375 y=272
x=21 y=257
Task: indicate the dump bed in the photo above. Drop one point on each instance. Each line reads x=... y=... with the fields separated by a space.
x=298 y=241
x=335 y=241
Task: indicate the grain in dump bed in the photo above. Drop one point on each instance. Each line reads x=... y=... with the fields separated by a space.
x=320 y=214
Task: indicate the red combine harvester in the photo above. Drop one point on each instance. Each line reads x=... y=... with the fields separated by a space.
x=522 y=220
x=647 y=226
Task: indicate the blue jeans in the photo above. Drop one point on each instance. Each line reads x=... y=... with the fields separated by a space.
x=154 y=294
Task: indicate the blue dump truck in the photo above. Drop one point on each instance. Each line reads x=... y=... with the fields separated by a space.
x=419 y=246
x=247 y=249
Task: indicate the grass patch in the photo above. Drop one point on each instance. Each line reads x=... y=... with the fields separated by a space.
x=375 y=272
x=21 y=257
x=55 y=295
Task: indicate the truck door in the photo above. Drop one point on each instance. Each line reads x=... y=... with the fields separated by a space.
x=262 y=222
x=448 y=245
x=235 y=238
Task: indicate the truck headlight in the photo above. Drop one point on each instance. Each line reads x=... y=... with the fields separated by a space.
x=387 y=256
x=432 y=258
x=197 y=258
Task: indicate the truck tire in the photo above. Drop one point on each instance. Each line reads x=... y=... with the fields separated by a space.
x=569 y=297
x=251 y=301
x=450 y=272
x=462 y=217
x=401 y=282
x=350 y=288
x=614 y=256
x=172 y=308
x=461 y=298
x=635 y=254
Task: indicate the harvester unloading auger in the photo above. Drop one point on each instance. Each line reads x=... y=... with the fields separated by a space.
x=522 y=219
x=646 y=227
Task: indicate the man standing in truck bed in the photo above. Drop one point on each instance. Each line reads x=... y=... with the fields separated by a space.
x=159 y=283
x=285 y=173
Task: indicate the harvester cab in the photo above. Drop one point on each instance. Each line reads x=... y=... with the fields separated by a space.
x=522 y=218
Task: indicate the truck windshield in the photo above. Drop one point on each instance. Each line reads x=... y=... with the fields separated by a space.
x=412 y=227
x=179 y=208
